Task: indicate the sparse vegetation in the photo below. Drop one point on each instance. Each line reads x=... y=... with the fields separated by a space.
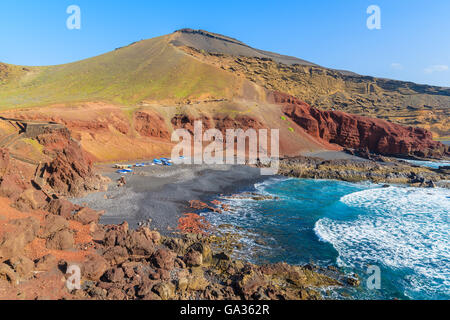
x=36 y=145
x=151 y=69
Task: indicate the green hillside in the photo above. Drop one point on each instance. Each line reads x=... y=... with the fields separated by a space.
x=149 y=69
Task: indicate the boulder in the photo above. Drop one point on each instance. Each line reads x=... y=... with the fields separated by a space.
x=163 y=259
x=12 y=243
x=46 y=263
x=116 y=255
x=144 y=289
x=52 y=225
x=116 y=236
x=204 y=249
x=61 y=207
x=94 y=267
x=116 y=294
x=193 y=258
x=30 y=199
x=7 y=273
x=183 y=280
x=22 y=266
x=11 y=186
x=140 y=242
x=87 y=215
x=248 y=283
x=114 y=275
x=197 y=280
x=61 y=240
x=165 y=290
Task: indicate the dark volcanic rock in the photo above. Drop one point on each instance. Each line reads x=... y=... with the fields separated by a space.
x=70 y=173
x=114 y=275
x=94 y=267
x=163 y=259
x=61 y=207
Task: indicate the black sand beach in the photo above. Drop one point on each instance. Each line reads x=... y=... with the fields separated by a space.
x=161 y=194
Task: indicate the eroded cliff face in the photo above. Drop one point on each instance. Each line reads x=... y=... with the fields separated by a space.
x=150 y=124
x=358 y=132
x=220 y=122
x=106 y=132
x=70 y=173
x=400 y=102
x=63 y=168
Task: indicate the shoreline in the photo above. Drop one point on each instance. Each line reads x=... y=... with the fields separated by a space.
x=162 y=194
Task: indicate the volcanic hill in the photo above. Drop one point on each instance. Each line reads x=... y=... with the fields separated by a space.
x=138 y=94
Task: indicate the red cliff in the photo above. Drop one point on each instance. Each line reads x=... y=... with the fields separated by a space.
x=360 y=132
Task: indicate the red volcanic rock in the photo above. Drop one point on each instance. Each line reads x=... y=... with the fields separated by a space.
x=52 y=225
x=4 y=161
x=70 y=173
x=61 y=240
x=222 y=123
x=61 y=207
x=87 y=216
x=142 y=241
x=183 y=121
x=12 y=186
x=116 y=255
x=193 y=258
x=360 y=132
x=193 y=223
x=94 y=267
x=150 y=125
x=163 y=259
x=30 y=199
x=13 y=243
x=198 y=205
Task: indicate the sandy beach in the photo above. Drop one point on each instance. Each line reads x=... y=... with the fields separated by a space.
x=161 y=193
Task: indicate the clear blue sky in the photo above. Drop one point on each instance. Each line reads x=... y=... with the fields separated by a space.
x=413 y=43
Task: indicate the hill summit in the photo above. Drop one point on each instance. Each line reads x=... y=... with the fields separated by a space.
x=147 y=89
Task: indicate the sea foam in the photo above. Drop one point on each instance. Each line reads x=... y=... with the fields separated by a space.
x=400 y=228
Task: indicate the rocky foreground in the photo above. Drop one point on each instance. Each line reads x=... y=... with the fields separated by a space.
x=43 y=235
x=119 y=263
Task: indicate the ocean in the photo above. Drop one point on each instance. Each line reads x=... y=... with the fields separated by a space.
x=403 y=231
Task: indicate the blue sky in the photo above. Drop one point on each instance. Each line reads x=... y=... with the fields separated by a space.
x=413 y=43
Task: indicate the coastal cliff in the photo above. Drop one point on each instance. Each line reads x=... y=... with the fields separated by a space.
x=358 y=132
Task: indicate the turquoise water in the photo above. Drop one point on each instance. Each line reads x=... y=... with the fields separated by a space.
x=404 y=231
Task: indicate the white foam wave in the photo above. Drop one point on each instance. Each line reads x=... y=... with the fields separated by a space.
x=401 y=228
x=429 y=164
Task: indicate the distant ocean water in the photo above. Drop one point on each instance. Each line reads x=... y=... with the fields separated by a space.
x=404 y=231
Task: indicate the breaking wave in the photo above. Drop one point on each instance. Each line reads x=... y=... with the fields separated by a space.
x=403 y=229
